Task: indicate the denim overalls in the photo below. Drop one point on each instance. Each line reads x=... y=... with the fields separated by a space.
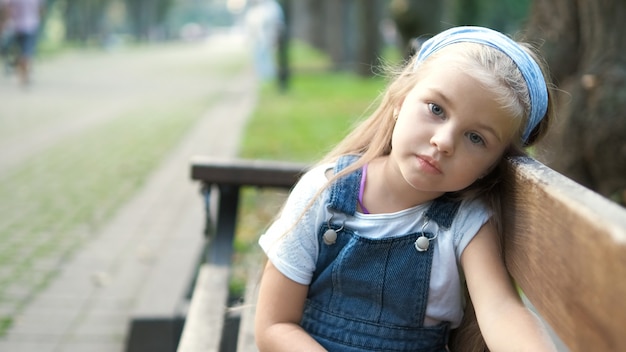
x=371 y=294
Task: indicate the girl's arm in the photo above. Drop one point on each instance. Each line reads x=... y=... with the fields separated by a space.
x=278 y=314
x=505 y=323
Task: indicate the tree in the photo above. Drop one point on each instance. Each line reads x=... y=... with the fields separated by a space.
x=370 y=41
x=84 y=20
x=347 y=30
x=584 y=42
x=146 y=17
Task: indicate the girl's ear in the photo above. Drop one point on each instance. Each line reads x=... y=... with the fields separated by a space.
x=396 y=109
x=397 y=106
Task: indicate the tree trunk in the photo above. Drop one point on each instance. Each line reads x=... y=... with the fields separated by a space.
x=146 y=16
x=84 y=21
x=338 y=24
x=370 y=40
x=317 y=23
x=584 y=42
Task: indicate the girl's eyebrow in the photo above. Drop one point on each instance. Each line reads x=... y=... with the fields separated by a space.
x=491 y=130
x=440 y=95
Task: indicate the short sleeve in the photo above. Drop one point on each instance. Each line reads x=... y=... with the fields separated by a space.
x=472 y=215
x=290 y=242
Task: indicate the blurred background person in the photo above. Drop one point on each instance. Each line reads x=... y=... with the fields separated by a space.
x=264 y=23
x=21 y=20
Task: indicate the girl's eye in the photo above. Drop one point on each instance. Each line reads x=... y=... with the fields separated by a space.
x=435 y=109
x=475 y=138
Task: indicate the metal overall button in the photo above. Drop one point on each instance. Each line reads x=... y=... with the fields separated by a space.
x=423 y=243
x=330 y=236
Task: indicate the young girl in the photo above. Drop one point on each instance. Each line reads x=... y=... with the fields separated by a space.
x=374 y=246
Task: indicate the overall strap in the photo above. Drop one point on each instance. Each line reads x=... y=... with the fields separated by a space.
x=344 y=193
x=443 y=211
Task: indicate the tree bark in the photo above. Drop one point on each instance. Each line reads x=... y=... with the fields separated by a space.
x=370 y=40
x=317 y=21
x=84 y=20
x=584 y=42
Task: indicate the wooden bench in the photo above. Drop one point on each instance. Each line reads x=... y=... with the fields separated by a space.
x=565 y=248
x=210 y=325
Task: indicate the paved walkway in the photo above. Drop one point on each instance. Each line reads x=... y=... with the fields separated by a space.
x=86 y=307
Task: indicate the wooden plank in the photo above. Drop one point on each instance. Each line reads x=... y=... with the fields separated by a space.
x=246 y=341
x=566 y=248
x=205 y=319
x=263 y=173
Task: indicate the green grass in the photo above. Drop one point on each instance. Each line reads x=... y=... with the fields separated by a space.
x=303 y=123
x=319 y=108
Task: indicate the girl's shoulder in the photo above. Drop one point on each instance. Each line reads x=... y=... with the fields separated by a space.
x=317 y=176
x=471 y=213
x=474 y=207
x=310 y=184
x=471 y=216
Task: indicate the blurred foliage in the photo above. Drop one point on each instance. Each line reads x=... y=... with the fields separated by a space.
x=343 y=30
x=108 y=22
x=502 y=15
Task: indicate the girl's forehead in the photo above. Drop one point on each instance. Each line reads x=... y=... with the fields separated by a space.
x=446 y=76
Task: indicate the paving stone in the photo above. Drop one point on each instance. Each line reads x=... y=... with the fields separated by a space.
x=52 y=322
x=28 y=346
x=91 y=346
x=8 y=309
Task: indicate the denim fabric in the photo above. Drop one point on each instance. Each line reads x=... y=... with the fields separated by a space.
x=371 y=294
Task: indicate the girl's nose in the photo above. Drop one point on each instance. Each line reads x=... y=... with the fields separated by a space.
x=443 y=140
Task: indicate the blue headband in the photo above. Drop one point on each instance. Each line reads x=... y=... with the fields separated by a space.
x=528 y=67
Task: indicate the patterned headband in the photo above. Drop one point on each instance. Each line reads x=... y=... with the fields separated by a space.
x=528 y=67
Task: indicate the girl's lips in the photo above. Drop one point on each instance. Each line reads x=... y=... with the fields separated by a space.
x=429 y=164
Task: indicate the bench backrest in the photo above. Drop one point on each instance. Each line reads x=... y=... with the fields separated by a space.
x=565 y=245
x=566 y=249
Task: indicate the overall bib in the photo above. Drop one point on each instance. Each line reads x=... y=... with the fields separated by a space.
x=371 y=294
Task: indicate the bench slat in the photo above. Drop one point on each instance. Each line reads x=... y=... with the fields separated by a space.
x=566 y=248
x=261 y=173
x=205 y=319
x=246 y=342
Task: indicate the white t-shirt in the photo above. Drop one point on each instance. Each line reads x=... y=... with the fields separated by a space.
x=291 y=241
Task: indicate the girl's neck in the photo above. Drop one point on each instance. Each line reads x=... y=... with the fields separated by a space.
x=387 y=192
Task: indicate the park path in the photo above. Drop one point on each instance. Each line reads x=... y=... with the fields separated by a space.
x=87 y=305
